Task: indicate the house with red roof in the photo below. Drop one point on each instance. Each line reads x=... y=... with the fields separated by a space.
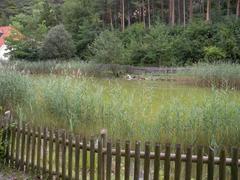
x=5 y=31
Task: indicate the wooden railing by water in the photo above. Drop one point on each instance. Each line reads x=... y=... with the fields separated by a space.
x=54 y=154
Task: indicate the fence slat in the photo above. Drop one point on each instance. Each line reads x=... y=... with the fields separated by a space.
x=189 y=163
x=92 y=159
x=70 y=150
x=118 y=161
x=234 y=166
x=147 y=161
x=50 y=154
x=22 y=147
x=13 y=141
x=45 y=143
x=77 y=156
x=17 y=145
x=222 y=165
x=28 y=148
x=33 y=149
x=39 y=147
x=199 y=162
x=8 y=130
x=109 y=161
x=57 y=149
x=127 y=161
x=167 y=162
x=100 y=157
x=178 y=162
x=137 y=161
x=63 y=155
x=84 y=159
x=157 y=162
x=210 y=163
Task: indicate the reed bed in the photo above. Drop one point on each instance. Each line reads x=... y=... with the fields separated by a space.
x=128 y=110
x=221 y=75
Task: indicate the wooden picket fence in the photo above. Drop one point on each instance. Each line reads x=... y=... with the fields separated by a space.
x=54 y=154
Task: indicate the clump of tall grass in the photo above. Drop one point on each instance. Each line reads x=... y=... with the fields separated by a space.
x=223 y=75
x=74 y=67
x=14 y=89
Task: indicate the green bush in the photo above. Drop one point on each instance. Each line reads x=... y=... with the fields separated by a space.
x=57 y=44
x=213 y=53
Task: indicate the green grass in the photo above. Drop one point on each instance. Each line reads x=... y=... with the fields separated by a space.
x=135 y=110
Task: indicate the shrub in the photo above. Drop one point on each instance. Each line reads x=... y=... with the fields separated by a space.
x=57 y=44
x=213 y=53
x=108 y=49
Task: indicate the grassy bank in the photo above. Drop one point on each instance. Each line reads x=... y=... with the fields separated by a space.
x=128 y=110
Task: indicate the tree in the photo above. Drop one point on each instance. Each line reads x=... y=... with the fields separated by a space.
x=84 y=20
x=57 y=44
x=108 y=49
x=228 y=7
x=190 y=10
x=208 y=15
x=238 y=9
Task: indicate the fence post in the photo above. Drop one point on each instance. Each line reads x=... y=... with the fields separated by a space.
x=127 y=161
x=167 y=162
x=104 y=145
x=222 y=165
x=189 y=164
x=100 y=156
x=156 y=162
x=137 y=161
x=177 y=175
x=147 y=161
x=210 y=164
x=234 y=165
x=92 y=159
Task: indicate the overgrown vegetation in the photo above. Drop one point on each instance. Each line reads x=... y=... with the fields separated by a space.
x=142 y=111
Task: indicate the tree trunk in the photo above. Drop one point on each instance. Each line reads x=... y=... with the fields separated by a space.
x=190 y=10
x=170 y=12
x=162 y=13
x=129 y=13
x=184 y=13
x=208 y=16
x=149 y=14
x=238 y=9
x=179 y=12
x=123 y=15
x=111 y=19
x=173 y=12
x=143 y=14
x=228 y=7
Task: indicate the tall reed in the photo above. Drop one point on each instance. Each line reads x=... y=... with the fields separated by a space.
x=166 y=113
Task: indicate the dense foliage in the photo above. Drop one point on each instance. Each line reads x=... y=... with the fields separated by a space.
x=133 y=32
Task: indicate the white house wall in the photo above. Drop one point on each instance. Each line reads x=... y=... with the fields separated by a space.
x=3 y=53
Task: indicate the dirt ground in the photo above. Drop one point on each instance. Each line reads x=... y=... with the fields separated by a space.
x=9 y=174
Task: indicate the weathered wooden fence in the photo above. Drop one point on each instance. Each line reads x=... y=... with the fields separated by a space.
x=54 y=154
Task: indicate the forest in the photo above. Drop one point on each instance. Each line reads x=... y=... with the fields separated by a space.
x=132 y=32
